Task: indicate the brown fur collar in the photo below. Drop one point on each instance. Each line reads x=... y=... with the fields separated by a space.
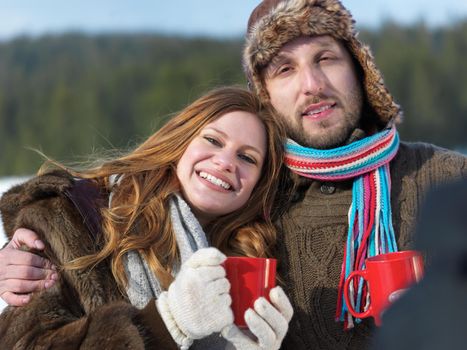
x=43 y=204
x=85 y=308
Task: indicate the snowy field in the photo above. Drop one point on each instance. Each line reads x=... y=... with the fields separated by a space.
x=5 y=184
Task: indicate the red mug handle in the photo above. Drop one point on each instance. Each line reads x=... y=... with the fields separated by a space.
x=363 y=274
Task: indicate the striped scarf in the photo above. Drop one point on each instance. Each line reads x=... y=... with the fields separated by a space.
x=370 y=229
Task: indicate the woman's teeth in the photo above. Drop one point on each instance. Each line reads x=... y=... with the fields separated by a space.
x=214 y=180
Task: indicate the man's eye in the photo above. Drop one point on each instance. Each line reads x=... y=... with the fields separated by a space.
x=325 y=58
x=212 y=141
x=283 y=69
x=247 y=158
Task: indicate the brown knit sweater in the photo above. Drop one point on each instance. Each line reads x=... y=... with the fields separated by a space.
x=313 y=234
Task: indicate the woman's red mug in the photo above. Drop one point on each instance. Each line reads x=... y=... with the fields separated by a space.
x=250 y=278
x=386 y=276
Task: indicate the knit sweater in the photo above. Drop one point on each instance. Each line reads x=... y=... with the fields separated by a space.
x=313 y=232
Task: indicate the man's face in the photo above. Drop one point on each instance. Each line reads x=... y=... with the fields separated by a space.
x=313 y=84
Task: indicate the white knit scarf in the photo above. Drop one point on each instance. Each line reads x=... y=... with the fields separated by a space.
x=144 y=285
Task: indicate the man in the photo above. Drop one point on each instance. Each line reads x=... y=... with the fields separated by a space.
x=303 y=58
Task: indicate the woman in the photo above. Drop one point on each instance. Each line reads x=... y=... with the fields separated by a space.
x=132 y=237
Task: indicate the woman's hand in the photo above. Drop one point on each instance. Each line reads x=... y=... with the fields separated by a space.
x=22 y=272
x=268 y=322
x=197 y=303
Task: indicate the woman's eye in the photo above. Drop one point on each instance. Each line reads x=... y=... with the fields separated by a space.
x=212 y=141
x=247 y=158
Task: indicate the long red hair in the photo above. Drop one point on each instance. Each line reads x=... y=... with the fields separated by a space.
x=138 y=217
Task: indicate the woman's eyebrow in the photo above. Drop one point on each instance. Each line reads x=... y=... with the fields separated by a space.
x=245 y=146
x=254 y=149
x=216 y=130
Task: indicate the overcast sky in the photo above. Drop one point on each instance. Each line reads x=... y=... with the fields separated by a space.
x=205 y=17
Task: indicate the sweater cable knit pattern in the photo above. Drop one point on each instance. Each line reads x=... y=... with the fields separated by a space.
x=314 y=231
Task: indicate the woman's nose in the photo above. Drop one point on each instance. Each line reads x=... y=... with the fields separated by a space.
x=224 y=161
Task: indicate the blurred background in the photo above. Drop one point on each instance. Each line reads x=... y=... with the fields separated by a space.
x=81 y=76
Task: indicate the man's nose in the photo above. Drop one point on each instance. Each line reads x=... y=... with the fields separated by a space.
x=311 y=80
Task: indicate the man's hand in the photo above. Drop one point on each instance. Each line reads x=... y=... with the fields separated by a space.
x=267 y=322
x=21 y=271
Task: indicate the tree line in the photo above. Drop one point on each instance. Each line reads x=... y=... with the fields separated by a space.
x=73 y=94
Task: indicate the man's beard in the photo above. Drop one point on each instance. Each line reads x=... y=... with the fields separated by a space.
x=331 y=139
x=336 y=135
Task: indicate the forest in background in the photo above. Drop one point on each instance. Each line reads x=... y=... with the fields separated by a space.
x=72 y=94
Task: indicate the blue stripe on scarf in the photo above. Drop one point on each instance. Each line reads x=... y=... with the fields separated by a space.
x=354 y=147
x=358 y=211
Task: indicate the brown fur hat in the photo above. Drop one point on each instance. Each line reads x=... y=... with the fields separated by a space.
x=273 y=23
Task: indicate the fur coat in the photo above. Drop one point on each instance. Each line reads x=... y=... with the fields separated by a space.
x=84 y=309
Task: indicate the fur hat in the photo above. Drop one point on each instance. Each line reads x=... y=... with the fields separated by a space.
x=273 y=23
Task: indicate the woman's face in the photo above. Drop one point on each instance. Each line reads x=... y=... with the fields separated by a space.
x=222 y=165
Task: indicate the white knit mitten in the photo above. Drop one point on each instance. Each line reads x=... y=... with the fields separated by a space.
x=197 y=303
x=268 y=322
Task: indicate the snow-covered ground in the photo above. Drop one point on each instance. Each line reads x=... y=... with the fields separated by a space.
x=5 y=184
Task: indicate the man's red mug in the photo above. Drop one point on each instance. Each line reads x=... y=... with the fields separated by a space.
x=250 y=278
x=386 y=275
